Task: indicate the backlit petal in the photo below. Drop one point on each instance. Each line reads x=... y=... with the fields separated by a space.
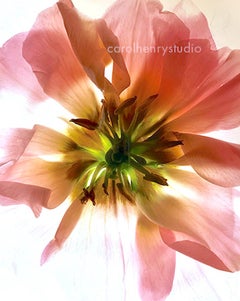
x=15 y=72
x=219 y=100
x=48 y=51
x=50 y=175
x=215 y=160
x=104 y=250
x=13 y=143
x=192 y=249
x=65 y=228
x=180 y=81
x=120 y=76
x=200 y=214
x=137 y=17
x=194 y=20
x=82 y=31
x=17 y=193
x=46 y=141
x=156 y=263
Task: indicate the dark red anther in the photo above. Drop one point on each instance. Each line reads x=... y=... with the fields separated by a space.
x=127 y=103
x=86 y=123
x=88 y=195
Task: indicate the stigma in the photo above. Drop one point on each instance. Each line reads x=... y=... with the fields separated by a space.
x=132 y=147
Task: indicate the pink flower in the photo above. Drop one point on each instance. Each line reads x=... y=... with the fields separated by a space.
x=137 y=164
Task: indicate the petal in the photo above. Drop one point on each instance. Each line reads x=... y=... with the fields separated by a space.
x=15 y=72
x=156 y=262
x=180 y=81
x=200 y=214
x=120 y=76
x=46 y=141
x=50 y=175
x=65 y=228
x=17 y=193
x=196 y=281
x=13 y=143
x=192 y=249
x=82 y=31
x=194 y=20
x=48 y=51
x=215 y=160
x=104 y=252
x=219 y=100
x=144 y=68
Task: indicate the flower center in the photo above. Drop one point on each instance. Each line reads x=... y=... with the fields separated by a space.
x=118 y=153
x=132 y=150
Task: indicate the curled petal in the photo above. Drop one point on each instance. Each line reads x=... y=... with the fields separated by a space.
x=137 y=17
x=215 y=160
x=195 y=20
x=85 y=43
x=15 y=72
x=48 y=51
x=50 y=175
x=120 y=76
x=199 y=213
x=13 y=143
x=192 y=249
x=13 y=193
x=65 y=228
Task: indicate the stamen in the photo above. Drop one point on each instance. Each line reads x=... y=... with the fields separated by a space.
x=139 y=159
x=149 y=176
x=127 y=103
x=124 y=193
x=86 y=123
x=156 y=178
x=105 y=183
x=141 y=113
x=88 y=195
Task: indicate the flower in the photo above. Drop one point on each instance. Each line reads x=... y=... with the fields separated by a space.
x=136 y=165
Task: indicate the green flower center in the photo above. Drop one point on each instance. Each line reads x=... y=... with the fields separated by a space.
x=118 y=153
x=134 y=147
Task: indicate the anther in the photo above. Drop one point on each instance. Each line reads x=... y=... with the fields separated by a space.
x=86 y=123
x=127 y=103
x=156 y=179
x=104 y=186
x=88 y=195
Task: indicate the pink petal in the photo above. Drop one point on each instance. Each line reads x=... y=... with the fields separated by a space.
x=217 y=107
x=17 y=193
x=156 y=262
x=48 y=50
x=13 y=143
x=46 y=141
x=65 y=228
x=180 y=81
x=120 y=76
x=194 y=20
x=215 y=160
x=15 y=72
x=137 y=17
x=192 y=249
x=50 y=175
x=199 y=212
x=83 y=32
